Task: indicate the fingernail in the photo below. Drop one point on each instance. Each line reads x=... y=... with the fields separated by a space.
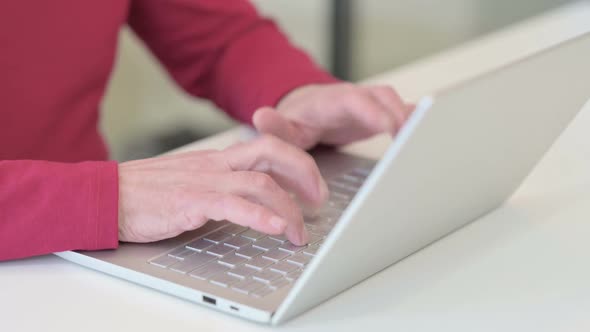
x=304 y=237
x=279 y=224
x=311 y=211
x=324 y=191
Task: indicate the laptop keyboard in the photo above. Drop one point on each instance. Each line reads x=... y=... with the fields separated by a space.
x=253 y=263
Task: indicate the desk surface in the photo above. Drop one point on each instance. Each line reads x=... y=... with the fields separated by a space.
x=525 y=267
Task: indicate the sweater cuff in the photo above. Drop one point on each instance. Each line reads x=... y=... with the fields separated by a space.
x=107 y=206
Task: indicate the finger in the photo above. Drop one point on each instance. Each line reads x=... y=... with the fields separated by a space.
x=257 y=187
x=366 y=110
x=268 y=121
x=261 y=188
x=290 y=166
x=389 y=98
x=246 y=213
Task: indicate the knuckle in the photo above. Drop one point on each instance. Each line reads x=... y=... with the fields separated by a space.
x=219 y=204
x=177 y=199
x=349 y=88
x=262 y=181
x=389 y=92
x=215 y=160
x=359 y=100
x=179 y=204
x=383 y=88
x=271 y=142
x=193 y=220
x=258 y=215
x=352 y=100
x=233 y=150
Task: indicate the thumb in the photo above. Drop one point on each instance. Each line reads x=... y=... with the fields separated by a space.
x=268 y=121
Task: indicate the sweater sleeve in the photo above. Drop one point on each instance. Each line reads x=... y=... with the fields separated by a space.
x=224 y=51
x=49 y=207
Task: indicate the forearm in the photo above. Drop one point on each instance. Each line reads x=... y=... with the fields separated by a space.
x=48 y=207
x=260 y=68
x=225 y=51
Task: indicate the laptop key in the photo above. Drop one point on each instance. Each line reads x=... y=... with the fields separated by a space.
x=262 y=292
x=340 y=196
x=163 y=261
x=234 y=229
x=220 y=250
x=290 y=247
x=217 y=236
x=247 y=286
x=249 y=252
x=340 y=205
x=266 y=243
x=224 y=280
x=330 y=212
x=311 y=250
x=334 y=185
x=314 y=238
x=215 y=224
x=266 y=275
x=237 y=242
x=242 y=271
x=351 y=178
x=180 y=253
x=331 y=221
x=293 y=275
x=283 y=267
x=281 y=238
x=299 y=259
x=232 y=260
x=258 y=263
x=313 y=228
x=208 y=270
x=192 y=262
x=275 y=254
x=200 y=245
x=312 y=220
x=252 y=235
x=210 y=226
x=361 y=171
x=278 y=283
x=320 y=229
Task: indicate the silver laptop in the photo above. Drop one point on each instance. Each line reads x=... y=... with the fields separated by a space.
x=461 y=154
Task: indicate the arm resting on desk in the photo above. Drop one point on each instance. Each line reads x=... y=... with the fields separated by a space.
x=48 y=207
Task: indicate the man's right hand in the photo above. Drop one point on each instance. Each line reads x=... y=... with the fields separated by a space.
x=247 y=184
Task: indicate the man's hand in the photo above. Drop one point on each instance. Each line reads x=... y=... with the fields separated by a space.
x=333 y=114
x=246 y=184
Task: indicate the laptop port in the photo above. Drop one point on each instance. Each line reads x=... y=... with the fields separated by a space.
x=209 y=300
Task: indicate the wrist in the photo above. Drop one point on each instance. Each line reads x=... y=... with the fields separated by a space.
x=294 y=94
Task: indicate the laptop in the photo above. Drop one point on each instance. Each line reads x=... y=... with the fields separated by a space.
x=461 y=154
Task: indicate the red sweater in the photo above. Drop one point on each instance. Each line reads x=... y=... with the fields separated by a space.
x=57 y=190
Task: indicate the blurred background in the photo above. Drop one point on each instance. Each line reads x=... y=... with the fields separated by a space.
x=144 y=113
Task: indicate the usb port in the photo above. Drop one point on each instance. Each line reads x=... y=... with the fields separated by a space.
x=209 y=300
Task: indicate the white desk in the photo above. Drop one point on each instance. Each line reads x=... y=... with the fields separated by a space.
x=526 y=267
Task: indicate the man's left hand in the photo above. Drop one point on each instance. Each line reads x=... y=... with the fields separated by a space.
x=333 y=114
